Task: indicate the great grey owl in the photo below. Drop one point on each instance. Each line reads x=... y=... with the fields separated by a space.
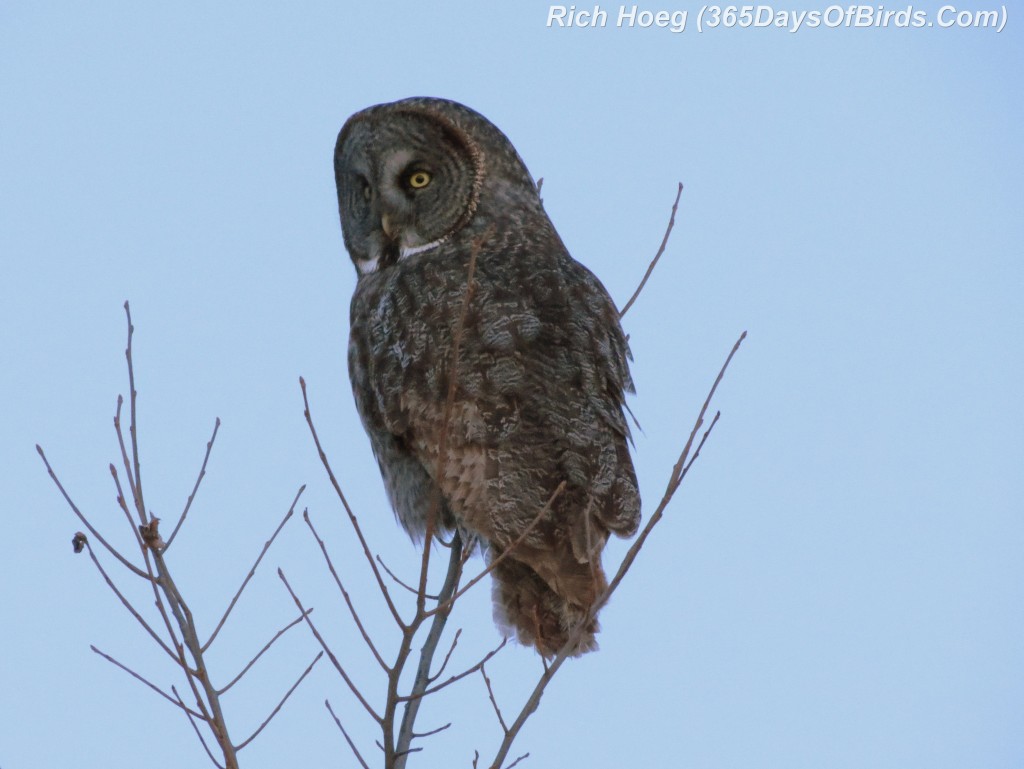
x=536 y=396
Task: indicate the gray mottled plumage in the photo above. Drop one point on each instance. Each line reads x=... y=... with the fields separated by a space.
x=541 y=371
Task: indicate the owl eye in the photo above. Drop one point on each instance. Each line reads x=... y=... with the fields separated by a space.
x=418 y=179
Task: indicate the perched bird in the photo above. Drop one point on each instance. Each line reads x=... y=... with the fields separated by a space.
x=534 y=395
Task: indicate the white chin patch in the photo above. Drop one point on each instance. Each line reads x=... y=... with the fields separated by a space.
x=413 y=250
x=366 y=266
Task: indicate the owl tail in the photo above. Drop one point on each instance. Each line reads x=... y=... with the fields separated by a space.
x=525 y=604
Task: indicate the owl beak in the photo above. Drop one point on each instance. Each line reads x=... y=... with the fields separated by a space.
x=390 y=250
x=388 y=224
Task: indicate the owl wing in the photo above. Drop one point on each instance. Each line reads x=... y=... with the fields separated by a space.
x=542 y=372
x=541 y=394
x=596 y=443
x=386 y=332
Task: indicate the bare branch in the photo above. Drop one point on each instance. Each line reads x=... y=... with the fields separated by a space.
x=281 y=703
x=252 y=571
x=148 y=683
x=330 y=654
x=417 y=735
x=160 y=590
x=348 y=739
x=399 y=582
x=269 y=643
x=128 y=605
x=138 y=531
x=344 y=593
x=186 y=623
x=161 y=581
x=351 y=516
x=188 y=652
x=521 y=758
x=85 y=521
x=657 y=256
x=677 y=471
x=634 y=550
x=494 y=702
x=190 y=679
x=199 y=479
x=195 y=727
x=133 y=425
x=122 y=503
x=447 y=657
x=458 y=677
x=427 y=652
x=124 y=458
x=703 y=440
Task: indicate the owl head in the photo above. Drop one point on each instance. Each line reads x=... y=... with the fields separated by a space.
x=419 y=172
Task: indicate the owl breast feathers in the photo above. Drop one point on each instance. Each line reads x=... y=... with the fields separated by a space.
x=538 y=381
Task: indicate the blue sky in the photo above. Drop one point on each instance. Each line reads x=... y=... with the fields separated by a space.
x=839 y=582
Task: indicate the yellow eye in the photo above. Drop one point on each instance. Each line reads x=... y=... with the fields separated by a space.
x=419 y=179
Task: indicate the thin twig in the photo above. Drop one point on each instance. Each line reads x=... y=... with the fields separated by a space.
x=148 y=683
x=677 y=471
x=195 y=727
x=703 y=440
x=160 y=581
x=190 y=639
x=123 y=504
x=348 y=739
x=252 y=571
x=438 y=730
x=128 y=605
x=351 y=515
x=345 y=595
x=280 y=704
x=133 y=426
x=494 y=702
x=459 y=676
x=85 y=521
x=447 y=657
x=179 y=608
x=330 y=654
x=168 y=599
x=199 y=479
x=269 y=643
x=427 y=652
x=657 y=256
x=399 y=582
x=124 y=457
